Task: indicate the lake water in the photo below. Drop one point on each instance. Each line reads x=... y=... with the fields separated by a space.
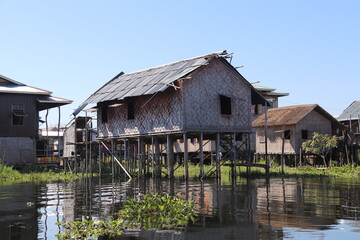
x=291 y=208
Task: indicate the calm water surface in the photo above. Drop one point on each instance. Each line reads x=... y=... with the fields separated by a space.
x=312 y=208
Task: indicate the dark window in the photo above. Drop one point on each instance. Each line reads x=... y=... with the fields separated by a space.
x=256 y=110
x=18 y=114
x=104 y=114
x=287 y=134
x=225 y=105
x=304 y=134
x=131 y=110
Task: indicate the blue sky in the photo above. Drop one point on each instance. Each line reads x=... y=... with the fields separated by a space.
x=309 y=48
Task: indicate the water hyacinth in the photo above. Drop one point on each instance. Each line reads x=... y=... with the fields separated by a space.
x=151 y=211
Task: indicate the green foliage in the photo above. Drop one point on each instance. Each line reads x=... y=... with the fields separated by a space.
x=320 y=144
x=8 y=174
x=158 y=212
x=150 y=212
x=90 y=229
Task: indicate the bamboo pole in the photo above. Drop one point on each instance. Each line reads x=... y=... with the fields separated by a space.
x=122 y=167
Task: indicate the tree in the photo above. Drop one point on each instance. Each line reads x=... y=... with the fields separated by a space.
x=320 y=144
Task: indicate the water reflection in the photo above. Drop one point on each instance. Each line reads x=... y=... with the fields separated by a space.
x=244 y=209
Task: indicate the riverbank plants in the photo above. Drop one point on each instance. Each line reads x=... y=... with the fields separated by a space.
x=9 y=175
x=275 y=171
x=150 y=211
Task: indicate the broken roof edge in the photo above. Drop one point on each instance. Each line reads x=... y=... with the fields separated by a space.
x=256 y=96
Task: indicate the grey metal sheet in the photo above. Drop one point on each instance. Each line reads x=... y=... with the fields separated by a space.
x=147 y=81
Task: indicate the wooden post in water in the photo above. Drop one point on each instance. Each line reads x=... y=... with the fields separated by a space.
x=112 y=158
x=186 y=156
x=157 y=159
x=126 y=154
x=201 y=149
x=266 y=141
x=153 y=157
x=170 y=155
x=99 y=158
x=218 y=156
x=233 y=167
x=282 y=152
x=139 y=158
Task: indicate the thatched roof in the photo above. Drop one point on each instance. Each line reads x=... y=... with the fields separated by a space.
x=291 y=115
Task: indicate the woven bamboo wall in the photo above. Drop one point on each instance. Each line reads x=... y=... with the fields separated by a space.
x=69 y=140
x=18 y=150
x=153 y=114
x=202 y=100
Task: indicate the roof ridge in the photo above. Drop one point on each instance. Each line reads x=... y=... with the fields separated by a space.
x=183 y=60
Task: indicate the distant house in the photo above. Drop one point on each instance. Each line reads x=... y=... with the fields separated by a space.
x=202 y=95
x=272 y=97
x=350 y=118
x=19 y=119
x=296 y=123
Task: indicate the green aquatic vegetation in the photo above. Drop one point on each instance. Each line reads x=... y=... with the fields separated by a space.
x=90 y=229
x=157 y=212
x=148 y=212
x=10 y=175
x=275 y=171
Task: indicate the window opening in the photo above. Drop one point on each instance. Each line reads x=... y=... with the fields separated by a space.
x=225 y=105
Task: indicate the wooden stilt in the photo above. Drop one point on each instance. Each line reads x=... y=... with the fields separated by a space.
x=153 y=156
x=139 y=158
x=157 y=159
x=201 y=149
x=112 y=158
x=234 y=157
x=282 y=153
x=126 y=160
x=186 y=156
x=170 y=156
x=218 y=156
x=99 y=158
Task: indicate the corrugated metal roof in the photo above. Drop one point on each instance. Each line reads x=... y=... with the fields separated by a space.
x=351 y=112
x=146 y=82
x=7 y=80
x=23 y=90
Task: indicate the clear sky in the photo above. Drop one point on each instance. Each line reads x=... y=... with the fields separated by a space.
x=309 y=48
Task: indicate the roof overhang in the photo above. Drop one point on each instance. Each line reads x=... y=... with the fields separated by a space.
x=47 y=102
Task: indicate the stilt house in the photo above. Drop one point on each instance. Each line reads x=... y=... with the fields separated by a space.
x=294 y=124
x=203 y=97
x=350 y=118
x=19 y=119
